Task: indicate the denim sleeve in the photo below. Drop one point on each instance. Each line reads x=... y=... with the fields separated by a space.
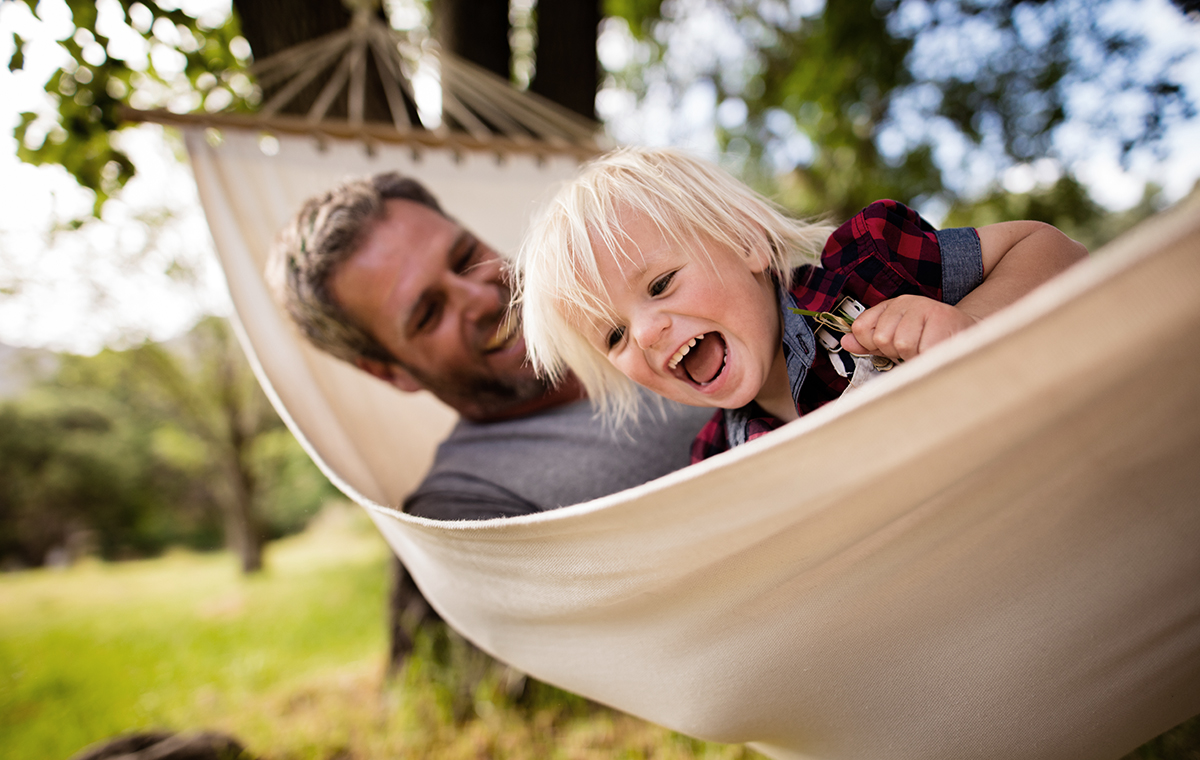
x=962 y=262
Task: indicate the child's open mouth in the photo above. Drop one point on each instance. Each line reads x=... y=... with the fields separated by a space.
x=703 y=358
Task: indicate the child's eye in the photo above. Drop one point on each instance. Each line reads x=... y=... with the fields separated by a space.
x=661 y=284
x=614 y=337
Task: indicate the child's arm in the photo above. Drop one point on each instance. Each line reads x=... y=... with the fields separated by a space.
x=1017 y=257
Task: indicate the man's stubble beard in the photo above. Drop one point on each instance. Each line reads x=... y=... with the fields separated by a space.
x=486 y=397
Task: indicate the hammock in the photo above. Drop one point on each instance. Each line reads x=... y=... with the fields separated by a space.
x=993 y=551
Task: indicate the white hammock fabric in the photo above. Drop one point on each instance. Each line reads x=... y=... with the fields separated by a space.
x=993 y=551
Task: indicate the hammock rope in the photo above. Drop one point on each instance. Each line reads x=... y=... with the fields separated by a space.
x=475 y=100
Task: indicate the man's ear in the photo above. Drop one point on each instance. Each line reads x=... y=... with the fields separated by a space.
x=390 y=373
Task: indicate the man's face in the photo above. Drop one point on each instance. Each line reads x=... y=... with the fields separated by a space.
x=437 y=299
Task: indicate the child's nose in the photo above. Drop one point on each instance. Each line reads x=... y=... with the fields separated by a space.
x=649 y=329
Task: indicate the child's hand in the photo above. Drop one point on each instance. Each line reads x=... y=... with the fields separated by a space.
x=902 y=327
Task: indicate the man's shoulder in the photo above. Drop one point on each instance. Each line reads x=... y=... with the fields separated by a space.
x=574 y=436
x=564 y=455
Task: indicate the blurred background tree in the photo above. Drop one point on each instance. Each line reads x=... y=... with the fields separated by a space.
x=127 y=452
x=825 y=105
x=128 y=53
x=831 y=105
x=79 y=476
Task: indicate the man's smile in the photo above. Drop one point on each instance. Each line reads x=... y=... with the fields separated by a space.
x=507 y=333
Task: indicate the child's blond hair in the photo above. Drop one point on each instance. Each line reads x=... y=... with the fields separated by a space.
x=688 y=199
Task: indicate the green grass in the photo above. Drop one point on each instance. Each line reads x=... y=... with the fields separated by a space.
x=290 y=662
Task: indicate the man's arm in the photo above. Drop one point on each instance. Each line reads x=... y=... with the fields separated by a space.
x=1017 y=257
x=460 y=496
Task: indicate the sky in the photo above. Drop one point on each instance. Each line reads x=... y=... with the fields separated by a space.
x=701 y=39
x=120 y=280
x=125 y=279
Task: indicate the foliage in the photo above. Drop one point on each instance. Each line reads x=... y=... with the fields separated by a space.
x=80 y=474
x=1180 y=743
x=290 y=488
x=857 y=100
x=127 y=452
x=291 y=662
x=181 y=63
x=1065 y=204
x=217 y=425
x=829 y=105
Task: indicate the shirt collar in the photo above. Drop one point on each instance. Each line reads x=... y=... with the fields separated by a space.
x=799 y=349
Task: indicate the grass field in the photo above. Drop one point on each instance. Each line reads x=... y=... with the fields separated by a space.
x=291 y=663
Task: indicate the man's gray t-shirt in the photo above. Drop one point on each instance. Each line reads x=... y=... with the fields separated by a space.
x=560 y=457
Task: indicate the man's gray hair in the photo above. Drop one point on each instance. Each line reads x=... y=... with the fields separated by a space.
x=327 y=231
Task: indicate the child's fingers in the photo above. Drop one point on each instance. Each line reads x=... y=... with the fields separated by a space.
x=908 y=336
x=902 y=327
x=890 y=322
x=914 y=324
x=861 y=339
x=851 y=344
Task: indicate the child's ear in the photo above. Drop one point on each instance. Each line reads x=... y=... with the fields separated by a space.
x=758 y=256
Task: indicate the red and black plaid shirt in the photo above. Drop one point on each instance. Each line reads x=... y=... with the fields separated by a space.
x=886 y=250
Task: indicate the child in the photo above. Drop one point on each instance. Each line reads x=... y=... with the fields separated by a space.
x=659 y=268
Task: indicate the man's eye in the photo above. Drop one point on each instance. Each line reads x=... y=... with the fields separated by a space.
x=661 y=284
x=464 y=261
x=615 y=336
x=427 y=316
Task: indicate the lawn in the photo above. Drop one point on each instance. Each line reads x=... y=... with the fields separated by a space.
x=291 y=662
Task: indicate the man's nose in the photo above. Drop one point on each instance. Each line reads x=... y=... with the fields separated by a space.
x=476 y=297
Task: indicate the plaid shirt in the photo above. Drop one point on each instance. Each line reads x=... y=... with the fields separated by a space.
x=886 y=250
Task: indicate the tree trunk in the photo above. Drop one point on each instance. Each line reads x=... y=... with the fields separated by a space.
x=407 y=611
x=274 y=25
x=243 y=534
x=567 y=70
x=242 y=422
x=476 y=30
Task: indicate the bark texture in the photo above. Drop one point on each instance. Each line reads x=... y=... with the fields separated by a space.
x=567 y=70
x=476 y=30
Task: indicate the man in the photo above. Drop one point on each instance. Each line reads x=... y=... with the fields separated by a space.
x=376 y=274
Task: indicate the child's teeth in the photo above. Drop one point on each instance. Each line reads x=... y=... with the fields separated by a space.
x=682 y=352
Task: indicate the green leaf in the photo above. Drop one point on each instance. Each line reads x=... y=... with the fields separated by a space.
x=639 y=14
x=805 y=312
x=17 y=62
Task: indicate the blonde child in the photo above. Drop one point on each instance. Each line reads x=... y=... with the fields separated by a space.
x=659 y=268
